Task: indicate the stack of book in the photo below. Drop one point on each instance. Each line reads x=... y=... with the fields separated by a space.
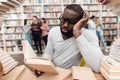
x=7 y=62
x=1 y=69
x=19 y=73
x=110 y=65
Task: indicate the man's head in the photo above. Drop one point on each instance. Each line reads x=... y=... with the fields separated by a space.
x=94 y=18
x=70 y=16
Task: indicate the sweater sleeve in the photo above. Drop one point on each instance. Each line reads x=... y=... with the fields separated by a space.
x=90 y=50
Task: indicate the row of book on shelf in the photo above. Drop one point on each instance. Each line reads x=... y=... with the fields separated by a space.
x=53 y=14
x=13 y=36
x=58 y=1
x=110 y=32
x=14 y=30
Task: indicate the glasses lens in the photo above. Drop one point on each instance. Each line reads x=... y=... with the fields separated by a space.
x=70 y=21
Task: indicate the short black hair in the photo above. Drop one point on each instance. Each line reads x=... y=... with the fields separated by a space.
x=44 y=20
x=35 y=17
x=76 y=8
x=25 y=21
x=93 y=16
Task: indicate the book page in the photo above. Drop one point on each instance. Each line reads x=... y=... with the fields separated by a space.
x=28 y=51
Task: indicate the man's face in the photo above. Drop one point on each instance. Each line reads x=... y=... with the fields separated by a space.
x=34 y=19
x=67 y=21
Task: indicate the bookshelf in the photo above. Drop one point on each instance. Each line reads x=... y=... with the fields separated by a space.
x=2 y=40
x=51 y=10
x=13 y=34
x=1 y=34
x=110 y=21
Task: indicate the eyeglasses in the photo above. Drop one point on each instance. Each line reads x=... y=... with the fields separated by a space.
x=71 y=21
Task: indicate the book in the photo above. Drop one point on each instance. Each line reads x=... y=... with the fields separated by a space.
x=111 y=73
x=110 y=64
x=20 y=73
x=82 y=73
x=1 y=70
x=115 y=50
x=108 y=77
x=110 y=68
x=63 y=74
x=7 y=62
x=38 y=63
x=41 y=64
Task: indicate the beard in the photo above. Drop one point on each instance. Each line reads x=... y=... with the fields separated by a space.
x=68 y=33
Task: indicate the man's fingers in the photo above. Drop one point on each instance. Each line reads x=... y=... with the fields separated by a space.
x=99 y=0
x=86 y=17
x=104 y=1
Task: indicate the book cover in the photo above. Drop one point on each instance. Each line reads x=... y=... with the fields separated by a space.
x=82 y=73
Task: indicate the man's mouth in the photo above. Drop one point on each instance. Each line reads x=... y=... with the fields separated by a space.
x=65 y=30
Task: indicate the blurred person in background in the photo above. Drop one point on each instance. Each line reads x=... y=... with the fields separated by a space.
x=26 y=29
x=45 y=29
x=99 y=32
x=91 y=24
x=36 y=33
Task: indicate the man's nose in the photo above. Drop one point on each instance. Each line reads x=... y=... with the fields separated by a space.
x=66 y=23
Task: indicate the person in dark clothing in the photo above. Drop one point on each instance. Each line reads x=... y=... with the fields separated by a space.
x=36 y=33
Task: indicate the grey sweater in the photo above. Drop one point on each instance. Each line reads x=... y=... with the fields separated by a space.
x=68 y=53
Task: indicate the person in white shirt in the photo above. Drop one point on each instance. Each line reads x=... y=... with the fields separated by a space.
x=91 y=24
x=69 y=42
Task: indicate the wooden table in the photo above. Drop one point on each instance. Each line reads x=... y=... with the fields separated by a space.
x=98 y=76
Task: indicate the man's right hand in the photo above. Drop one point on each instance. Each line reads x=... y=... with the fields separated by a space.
x=104 y=1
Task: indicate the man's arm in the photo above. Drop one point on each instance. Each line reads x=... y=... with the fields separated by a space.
x=89 y=48
x=87 y=43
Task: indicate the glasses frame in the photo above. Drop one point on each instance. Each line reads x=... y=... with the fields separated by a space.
x=71 y=21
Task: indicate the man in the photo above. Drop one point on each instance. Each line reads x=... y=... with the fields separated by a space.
x=104 y=1
x=69 y=42
x=36 y=33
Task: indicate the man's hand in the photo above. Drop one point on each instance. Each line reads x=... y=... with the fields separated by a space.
x=36 y=72
x=104 y=1
x=78 y=26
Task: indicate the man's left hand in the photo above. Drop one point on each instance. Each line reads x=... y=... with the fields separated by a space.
x=78 y=26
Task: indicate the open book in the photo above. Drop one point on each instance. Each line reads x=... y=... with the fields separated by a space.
x=38 y=63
